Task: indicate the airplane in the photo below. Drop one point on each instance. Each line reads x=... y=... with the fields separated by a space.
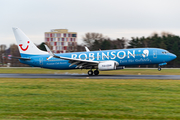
x=98 y=60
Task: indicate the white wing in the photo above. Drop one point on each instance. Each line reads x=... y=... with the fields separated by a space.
x=79 y=62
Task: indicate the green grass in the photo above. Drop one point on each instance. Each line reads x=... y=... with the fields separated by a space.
x=79 y=71
x=89 y=99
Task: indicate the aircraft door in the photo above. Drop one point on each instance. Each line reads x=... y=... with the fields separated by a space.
x=154 y=53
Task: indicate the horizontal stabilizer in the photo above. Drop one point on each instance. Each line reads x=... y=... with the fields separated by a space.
x=21 y=58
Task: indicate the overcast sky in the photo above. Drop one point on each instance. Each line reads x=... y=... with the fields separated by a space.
x=112 y=18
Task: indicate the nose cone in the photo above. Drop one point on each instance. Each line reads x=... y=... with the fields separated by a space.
x=173 y=56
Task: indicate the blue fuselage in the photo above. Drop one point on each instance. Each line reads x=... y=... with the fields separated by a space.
x=125 y=57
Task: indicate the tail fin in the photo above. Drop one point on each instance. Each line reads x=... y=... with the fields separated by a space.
x=25 y=45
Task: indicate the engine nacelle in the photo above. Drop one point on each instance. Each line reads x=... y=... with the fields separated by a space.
x=109 y=65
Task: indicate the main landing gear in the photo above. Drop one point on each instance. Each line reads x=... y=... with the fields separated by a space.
x=96 y=72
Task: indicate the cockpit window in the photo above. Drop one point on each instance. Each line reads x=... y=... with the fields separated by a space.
x=165 y=52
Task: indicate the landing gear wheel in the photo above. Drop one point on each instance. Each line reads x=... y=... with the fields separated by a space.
x=159 y=68
x=96 y=72
x=90 y=72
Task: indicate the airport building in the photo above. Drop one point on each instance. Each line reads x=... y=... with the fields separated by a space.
x=61 y=41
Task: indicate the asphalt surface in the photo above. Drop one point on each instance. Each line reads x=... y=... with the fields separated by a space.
x=84 y=76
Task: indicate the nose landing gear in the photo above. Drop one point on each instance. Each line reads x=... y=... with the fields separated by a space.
x=159 y=68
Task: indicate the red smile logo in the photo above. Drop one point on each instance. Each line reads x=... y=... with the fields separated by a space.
x=20 y=45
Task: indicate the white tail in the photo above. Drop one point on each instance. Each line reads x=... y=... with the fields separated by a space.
x=25 y=45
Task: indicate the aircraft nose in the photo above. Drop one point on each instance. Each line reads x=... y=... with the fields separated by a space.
x=173 y=56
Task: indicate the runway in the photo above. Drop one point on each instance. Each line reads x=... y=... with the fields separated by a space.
x=84 y=76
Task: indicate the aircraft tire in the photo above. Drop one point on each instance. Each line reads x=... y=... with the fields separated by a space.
x=96 y=72
x=159 y=68
x=90 y=72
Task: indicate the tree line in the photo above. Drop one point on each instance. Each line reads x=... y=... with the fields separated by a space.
x=164 y=40
x=168 y=41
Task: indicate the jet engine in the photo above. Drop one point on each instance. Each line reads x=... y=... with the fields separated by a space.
x=108 y=65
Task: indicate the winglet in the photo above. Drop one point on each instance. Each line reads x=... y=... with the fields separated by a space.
x=87 y=50
x=49 y=51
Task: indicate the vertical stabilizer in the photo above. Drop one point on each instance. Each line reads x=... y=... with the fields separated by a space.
x=25 y=45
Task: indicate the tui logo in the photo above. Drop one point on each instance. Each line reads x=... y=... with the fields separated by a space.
x=24 y=49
